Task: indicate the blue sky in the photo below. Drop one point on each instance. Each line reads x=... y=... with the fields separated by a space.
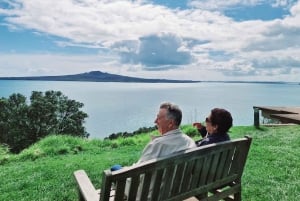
x=247 y=40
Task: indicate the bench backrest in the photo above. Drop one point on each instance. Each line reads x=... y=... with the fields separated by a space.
x=181 y=175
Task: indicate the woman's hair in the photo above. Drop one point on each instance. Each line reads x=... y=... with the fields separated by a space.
x=222 y=118
x=173 y=112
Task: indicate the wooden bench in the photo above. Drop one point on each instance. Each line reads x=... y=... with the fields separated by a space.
x=211 y=172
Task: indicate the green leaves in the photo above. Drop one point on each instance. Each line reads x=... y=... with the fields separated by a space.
x=48 y=113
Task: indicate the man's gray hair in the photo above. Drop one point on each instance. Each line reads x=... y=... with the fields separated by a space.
x=173 y=112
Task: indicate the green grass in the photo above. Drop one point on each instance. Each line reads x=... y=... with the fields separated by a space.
x=45 y=170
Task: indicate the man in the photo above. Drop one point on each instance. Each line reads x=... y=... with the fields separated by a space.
x=171 y=138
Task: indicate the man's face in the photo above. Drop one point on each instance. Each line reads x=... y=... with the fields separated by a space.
x=163 y=124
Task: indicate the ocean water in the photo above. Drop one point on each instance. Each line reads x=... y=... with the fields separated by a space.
x=119 y=107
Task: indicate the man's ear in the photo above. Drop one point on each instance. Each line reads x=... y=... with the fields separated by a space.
x=171 y=124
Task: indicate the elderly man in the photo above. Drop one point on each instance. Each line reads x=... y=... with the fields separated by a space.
x=171 y=138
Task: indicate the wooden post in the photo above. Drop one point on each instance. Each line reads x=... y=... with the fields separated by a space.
x=256 y=117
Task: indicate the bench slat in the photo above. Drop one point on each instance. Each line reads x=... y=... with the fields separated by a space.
x=188 y=175
x=106 y=185
x=85 y=186
x=169 y=178
x=134 y=184
x=146 y=185
x=205 y=170
x=221 y=166
x=177 y=179
x=213 y=167
x=197 y=172
x=156 y=183
x=120 y=189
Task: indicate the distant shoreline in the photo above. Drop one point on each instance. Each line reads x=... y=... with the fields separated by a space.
x=54 y=78
x=97 y=76
x=71 y=80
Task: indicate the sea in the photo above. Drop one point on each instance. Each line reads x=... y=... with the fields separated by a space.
x=114 y=107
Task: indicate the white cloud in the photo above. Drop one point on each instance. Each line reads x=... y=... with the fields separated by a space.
x=283 y=3
x=53 y=64
x=152 y=37
x=222 y=5
x=158 y=52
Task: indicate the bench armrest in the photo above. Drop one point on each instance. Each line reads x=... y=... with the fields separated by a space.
x=86 y=189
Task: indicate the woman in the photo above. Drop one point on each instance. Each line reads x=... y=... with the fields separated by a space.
x=218 y=124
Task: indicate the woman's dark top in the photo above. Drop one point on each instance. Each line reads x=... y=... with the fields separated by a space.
x=211 y=138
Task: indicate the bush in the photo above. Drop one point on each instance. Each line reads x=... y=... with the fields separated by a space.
x=190 y=131
x=63 y=145
x=51 y=112
x=127 y=142
x=4 y=153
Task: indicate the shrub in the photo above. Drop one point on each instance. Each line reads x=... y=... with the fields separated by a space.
x=127 y=142
x=21 y=125
x=190 y=131
x=4 y=153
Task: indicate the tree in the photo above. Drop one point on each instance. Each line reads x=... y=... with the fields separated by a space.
x=55 y=113
x=49 y=113
x=13 y=122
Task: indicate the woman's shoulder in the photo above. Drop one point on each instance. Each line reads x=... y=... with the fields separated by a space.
x=218 y=137
x=215 y=138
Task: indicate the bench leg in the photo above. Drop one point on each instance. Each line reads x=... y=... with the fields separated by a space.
x=256 y=117
x=237 y=196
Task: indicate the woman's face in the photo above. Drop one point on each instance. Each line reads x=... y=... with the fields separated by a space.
x=211 y=129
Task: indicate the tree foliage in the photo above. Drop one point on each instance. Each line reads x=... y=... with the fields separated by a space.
x=23 y=124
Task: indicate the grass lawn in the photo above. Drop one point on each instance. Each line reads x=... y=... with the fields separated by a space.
x=45 y=170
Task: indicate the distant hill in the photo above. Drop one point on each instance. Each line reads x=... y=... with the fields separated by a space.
x=96 y=76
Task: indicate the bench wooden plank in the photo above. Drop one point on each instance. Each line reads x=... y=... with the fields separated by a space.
x=146 y=185
x=106 y=185
x=120 y=189
x=177 y=179
x=135 y=181
x=221 y=165
x=169 y=177
x=205 y=170
x=213 y=167
x=188 y=175
x=197 y=172
x=87 y=190
x=156 y=182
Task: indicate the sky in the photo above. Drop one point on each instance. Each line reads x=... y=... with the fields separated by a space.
x=206 y=40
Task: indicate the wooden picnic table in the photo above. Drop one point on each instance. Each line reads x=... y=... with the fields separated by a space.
x=285 y=115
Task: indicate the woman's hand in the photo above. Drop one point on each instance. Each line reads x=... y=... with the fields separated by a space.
x=197 y=125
